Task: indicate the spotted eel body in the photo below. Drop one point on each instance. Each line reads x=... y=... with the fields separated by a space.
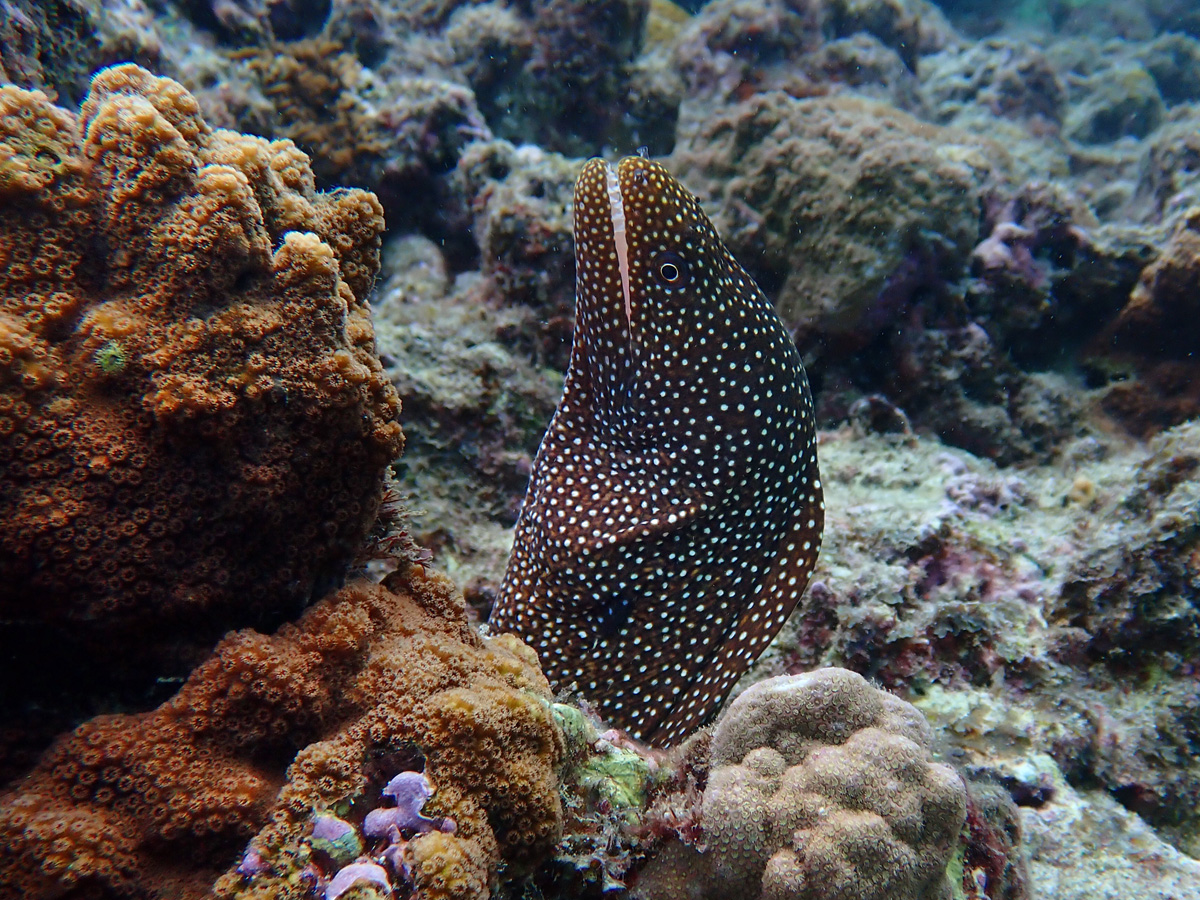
x=674 y=512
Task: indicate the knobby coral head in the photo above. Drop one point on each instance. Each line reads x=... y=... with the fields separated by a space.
x=818 y=786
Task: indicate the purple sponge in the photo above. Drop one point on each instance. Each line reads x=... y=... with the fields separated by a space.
x=357 y=873
x=410 y=790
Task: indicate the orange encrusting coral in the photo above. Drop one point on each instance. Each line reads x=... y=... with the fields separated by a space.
x=194 y=426
x=155 y=805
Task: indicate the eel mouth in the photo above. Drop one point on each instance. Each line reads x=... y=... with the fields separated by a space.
x=617 y=209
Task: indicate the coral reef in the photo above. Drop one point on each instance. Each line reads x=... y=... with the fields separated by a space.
x=563 y=89
x=734 y=48
x=519 y=203
x=1022 y=292
x=1118 y=101
x=387 y=96
x=368 y=874
x=732 y=42
x=56 y=45
x=1173 y=60
x=315 y=99
x=1168 y=170
x=981 y=220
x=370 y=680
x=843 y=209
x=820 y=786
x=261 y=21
x=997 y=603
x=1154 y=334
x=960 y=386
x=477 y=408
x=993 y=862
x=389 y=136
x=195 y=424
x=1015 y=649
x=1127 y=600
x=50 y=46
x=862 y=220
x=1134 y=863
x=1011 y=79
x=606 y=780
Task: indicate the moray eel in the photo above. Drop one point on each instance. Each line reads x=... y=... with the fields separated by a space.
x=674 y=511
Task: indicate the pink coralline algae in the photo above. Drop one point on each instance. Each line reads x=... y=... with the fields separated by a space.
x=357 y=873
x=1007 y=250
x=987 y=496
x=334 y=839
x=252 y=863
x=410 y=790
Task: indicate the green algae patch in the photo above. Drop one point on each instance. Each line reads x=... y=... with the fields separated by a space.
x=111 y=358
x=612 y=774
x=618 y=776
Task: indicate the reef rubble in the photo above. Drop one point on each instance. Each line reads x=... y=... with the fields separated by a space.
x=224 y=267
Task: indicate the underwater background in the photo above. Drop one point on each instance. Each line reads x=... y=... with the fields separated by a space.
x=287 y=295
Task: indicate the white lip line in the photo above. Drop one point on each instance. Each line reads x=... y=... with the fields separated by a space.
x=617 y=207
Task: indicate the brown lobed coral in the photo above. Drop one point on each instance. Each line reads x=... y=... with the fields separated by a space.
x=49 y=44
x=311 y=85
x=520 y=203
x=194 y=426
x=1154 y=337
x=1164 y=303
x=369 y=680
x=392 y=132
x=846 y=208
x=820 y=787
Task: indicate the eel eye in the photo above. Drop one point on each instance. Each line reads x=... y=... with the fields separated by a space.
x=670 y=270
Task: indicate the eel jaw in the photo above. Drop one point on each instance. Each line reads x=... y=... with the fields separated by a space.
x=617 y=208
